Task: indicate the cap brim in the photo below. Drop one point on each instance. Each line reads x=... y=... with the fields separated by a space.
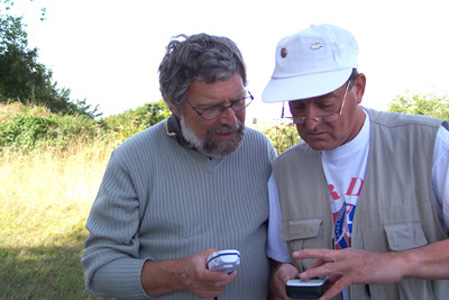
x=305 y=86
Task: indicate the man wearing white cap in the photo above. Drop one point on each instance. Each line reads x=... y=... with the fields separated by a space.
x=372 y=185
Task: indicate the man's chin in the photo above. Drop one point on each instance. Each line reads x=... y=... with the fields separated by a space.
x=218 y=147
x=221 y=148
x=218 y=143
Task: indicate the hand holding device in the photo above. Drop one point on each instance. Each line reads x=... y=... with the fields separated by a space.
x=224 y=260
x=306 y=289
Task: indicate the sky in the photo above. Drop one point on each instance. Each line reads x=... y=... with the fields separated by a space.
x=108 y=51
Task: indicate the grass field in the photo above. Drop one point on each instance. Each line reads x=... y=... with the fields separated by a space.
x=45 y=199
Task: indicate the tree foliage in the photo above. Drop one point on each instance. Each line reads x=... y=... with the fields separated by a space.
x=421 y=104
x=23 y=78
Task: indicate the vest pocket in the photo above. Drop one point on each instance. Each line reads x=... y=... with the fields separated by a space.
x=299 y=233
x=403 y=236
x=299 y=229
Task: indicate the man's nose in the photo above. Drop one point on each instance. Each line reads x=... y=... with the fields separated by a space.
x=311 y=123
x=228 y=117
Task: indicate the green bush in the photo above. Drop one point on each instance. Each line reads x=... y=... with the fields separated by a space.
x=421 y=104
x=283 y=136
x=25 y=130
x=27 y=127
x=132 y=122
x=30 y=127
x=69 y=128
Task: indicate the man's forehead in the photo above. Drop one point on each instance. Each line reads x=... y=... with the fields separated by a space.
x=328 y=96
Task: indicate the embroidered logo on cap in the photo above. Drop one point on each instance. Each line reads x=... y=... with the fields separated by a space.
x=316 y=46
x=283 y=52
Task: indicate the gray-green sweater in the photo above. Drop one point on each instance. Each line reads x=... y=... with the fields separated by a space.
x=161 y=200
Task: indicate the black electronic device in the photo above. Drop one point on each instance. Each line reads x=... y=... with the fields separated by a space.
x=306 y=289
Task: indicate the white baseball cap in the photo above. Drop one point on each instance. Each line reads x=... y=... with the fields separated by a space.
x=311 y=63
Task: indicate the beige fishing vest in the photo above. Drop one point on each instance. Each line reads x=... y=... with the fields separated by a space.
x=395 y=210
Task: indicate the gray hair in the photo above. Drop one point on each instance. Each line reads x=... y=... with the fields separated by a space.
x=200 y=57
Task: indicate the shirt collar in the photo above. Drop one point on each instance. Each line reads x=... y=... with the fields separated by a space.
x=173 y=130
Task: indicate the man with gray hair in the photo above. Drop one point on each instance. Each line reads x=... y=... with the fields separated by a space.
x=364 y=198
x=185 y=188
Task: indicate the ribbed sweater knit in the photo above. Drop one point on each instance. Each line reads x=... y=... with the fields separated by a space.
x=160 y=200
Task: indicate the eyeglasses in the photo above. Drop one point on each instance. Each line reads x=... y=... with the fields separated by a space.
x=326 y=118
x=215 y=111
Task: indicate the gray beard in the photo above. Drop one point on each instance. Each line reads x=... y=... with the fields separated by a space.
x=211 y=147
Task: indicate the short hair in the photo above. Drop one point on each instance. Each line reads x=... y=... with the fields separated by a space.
x=200 y=57
x=353 y=78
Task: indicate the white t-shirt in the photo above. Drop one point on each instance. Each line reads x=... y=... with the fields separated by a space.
x=345 y=179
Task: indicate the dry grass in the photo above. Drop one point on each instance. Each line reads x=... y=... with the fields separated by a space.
x=44 y=203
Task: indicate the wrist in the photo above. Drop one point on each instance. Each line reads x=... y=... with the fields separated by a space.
x=161 y=277
x=180 y=275
x=406 y=263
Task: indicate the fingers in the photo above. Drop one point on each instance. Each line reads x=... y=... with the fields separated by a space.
x=280 y=276
x=324 y=263
x=324 y=254
x=214 y=286
x=350 y=266
x=202 y=282
x=336 y=284
x=219 y=278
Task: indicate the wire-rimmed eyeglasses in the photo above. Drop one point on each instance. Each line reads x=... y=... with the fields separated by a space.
x=326 y=118
x=215 y=111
